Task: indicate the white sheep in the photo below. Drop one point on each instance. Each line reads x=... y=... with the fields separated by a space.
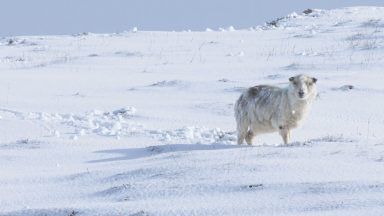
x=266 y=109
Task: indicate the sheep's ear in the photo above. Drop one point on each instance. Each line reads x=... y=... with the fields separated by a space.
x=291 y=79
x=314 y=80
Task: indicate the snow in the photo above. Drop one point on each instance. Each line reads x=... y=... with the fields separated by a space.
x=141 y=123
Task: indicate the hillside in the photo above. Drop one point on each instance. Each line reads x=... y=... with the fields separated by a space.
x=141 y=123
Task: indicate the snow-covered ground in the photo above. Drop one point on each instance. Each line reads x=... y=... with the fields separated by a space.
x=141 y=123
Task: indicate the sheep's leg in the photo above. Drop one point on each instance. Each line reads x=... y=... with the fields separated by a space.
x=240 y=137
x=249 y=137
x=289 y=135
x=285 y=134
x=242 y=129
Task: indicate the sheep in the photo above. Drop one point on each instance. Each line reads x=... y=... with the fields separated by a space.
x=267 y=109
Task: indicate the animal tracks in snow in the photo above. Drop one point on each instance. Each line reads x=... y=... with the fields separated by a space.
x=123 y=123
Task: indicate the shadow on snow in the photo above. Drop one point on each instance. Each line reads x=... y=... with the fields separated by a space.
x=135 y=153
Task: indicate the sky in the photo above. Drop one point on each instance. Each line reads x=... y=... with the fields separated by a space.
x=46 y=17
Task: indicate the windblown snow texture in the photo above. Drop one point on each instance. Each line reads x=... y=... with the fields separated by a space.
x=141 y=123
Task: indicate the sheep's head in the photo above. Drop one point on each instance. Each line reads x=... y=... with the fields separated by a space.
x=302 y=86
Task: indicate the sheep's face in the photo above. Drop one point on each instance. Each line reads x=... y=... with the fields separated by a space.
x=302 y=86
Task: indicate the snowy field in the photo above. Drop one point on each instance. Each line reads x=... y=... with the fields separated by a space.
x=141 y=123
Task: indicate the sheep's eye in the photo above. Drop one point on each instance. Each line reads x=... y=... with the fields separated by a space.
x=310 y=83
x=294 y=83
